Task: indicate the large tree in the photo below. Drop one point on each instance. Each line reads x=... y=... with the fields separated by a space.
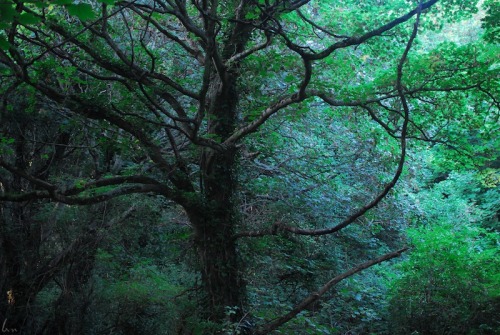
x=163 y=97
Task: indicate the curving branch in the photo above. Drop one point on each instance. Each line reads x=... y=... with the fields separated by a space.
x=242 y=55
x=86 y=200
x=265 y=114
x=399 y=170
x=351 y=41
x=388 y=187
x=36 y=181
x=306 y=80
x=327 y=98
x=125 y=185
x=315 y=296
x=322 y=29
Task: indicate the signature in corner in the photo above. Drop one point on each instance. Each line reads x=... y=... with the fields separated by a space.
x=6 y=330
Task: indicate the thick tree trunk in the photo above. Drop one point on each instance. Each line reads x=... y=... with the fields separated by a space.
x=214 y=219
x=219 y=264
x=215 y=215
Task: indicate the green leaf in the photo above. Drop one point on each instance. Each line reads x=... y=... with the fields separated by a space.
x=28 y=19
x=289 y=78
x=82 y=11
x=4 y=44
x=7 y=14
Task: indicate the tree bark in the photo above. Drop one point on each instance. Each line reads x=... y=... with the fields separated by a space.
x=214 y=218
x=215 y=214
x=220 y=269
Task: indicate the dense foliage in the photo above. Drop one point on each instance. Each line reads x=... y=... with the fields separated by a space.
x=449 y=283
x=249 y=167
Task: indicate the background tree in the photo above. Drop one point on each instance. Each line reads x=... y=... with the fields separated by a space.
x=170 y=98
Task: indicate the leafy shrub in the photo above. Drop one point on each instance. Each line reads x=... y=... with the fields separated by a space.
x=449 y=284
